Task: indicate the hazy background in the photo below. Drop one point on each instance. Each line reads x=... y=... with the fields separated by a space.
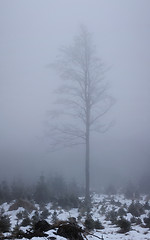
x=31 y=33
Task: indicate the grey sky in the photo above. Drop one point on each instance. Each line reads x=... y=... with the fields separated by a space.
x=31 y=33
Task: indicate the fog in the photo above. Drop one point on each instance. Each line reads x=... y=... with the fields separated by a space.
x=31 y=34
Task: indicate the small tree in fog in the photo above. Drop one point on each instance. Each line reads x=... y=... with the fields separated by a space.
x=84 y=99
x=41 y=194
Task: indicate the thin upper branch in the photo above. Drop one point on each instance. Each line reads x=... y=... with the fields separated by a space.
x=84 y=92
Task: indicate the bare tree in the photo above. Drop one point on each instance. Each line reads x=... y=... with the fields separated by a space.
x=84 y=98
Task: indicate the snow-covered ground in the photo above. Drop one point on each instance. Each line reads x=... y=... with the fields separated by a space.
x=102 y=205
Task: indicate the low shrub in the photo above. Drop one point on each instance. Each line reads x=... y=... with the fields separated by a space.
x=103 y=209
x=124 y=225
x=138 y=221
x=4 y=224
x=135 y=220
x=98 y=225
x=54 y=217
x=136 y=209
x=90 y=224
x=121 y=212
x=147 y=206
x=26 y=222
x=17 y=233
x=35 y=218
x=45 y=213
x=112 y=216
x=147 y=222
x=25 y=214
x=19 y=215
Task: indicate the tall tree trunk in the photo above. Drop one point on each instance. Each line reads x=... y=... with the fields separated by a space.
x=87 y=170
x=87 y=161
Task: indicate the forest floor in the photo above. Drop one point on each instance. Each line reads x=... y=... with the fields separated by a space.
x=106 y=210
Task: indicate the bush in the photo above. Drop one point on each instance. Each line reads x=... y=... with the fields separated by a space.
x=124 y=206
x=147 y=206
x=138 y=221
x=112 y=216
x=124 y=225
x=26 y=222
x=90 y=224
x=45 y=213
x=118 y=204
x=136 y=209
x=25 y=214
x=54 y=217
x=103 y=209
x=147 y=222
x=17 y=233
x=19 y=215
x=98 y=225
x=135 y=220
x=121 y=212
x=4 y=224
x=35 y=218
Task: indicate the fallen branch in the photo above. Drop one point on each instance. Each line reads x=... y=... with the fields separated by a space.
x=94 y=235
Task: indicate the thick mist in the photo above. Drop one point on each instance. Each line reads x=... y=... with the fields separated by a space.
x=31 y=34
